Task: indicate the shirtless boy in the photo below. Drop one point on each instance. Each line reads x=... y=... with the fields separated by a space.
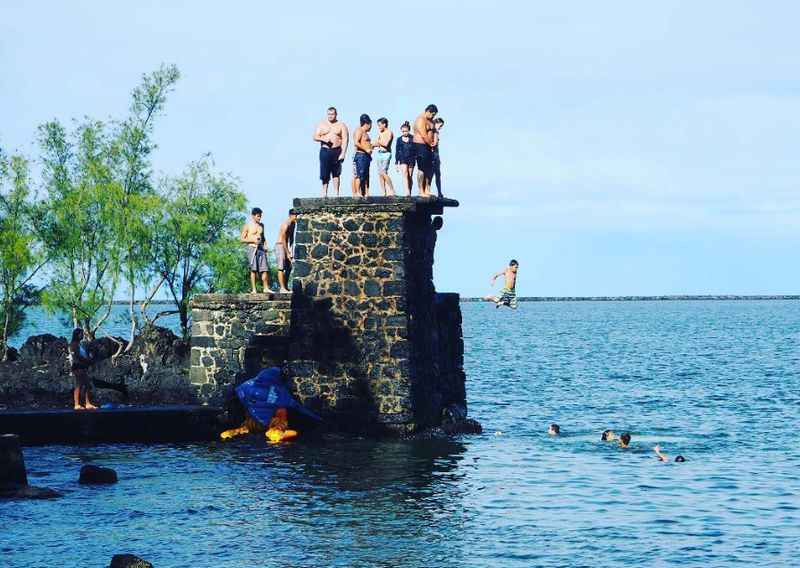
x=283 y=250
x=253 y=236
x=424 y=141
x=383 y=156
x=363 y=157
x=508 y=295
x=333 y=138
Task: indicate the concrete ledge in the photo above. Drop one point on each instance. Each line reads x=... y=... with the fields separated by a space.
x=434 y=205
x=229 y=301
x=128 y=424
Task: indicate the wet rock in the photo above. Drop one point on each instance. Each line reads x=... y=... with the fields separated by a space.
x=129 y=561
x=96 y=475
x=13 y=477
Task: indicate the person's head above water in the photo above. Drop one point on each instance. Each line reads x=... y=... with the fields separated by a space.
x=624 y=440
x=608 y=436
x=680 y=459
x=554 y=429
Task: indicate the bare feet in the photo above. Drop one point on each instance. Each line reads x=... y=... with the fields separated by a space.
x=254 y=291
x=90 y=406
x=78 y=407
x=285 y=291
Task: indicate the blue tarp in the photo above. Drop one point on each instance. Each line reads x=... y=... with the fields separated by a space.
x=266 y=393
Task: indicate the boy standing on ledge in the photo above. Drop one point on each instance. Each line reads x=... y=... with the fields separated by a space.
x=253 y=236
x=283 y=251
x=508 y=295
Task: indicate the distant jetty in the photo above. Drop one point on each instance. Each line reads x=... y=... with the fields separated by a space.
x=647 y=298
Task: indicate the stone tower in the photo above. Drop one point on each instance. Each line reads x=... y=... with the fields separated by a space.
x=372 y=340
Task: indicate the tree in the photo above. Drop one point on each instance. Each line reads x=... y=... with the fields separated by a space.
x=202 y=215
x=79 y=228
x=20 y=254
x=138 y=202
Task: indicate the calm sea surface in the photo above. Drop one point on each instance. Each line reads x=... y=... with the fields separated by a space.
x=718 y=382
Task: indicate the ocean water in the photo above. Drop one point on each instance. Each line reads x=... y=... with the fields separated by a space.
x=718 y=382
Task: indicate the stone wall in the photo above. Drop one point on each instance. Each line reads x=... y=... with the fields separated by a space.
x=233 y=337
x=364 y=339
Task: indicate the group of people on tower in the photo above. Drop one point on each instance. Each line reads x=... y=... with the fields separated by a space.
x=415 y=147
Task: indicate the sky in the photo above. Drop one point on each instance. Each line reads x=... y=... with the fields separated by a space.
x=618 y=148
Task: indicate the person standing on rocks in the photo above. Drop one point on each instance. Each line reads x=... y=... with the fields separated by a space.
x=333 y=137
x=437 y=164
x=253 y=236
x=404 y=156
x=283 y=250
x=362 y=158
x=79 y=363
x=383 y=156
x=424 y=140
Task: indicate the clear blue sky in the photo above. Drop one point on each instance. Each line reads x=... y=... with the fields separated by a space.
x=613 y=148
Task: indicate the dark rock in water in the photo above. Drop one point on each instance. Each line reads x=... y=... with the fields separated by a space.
x=13 y=477
x=129 y=561
x=466 y=426
x=94 y=475
x=45 y=348
x=12 y=464
x=28 y=492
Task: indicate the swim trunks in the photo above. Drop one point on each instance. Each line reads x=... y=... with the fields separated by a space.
x=424 y=156
x=361 y=162
x=507 y=297
x=257 y=259
x=281 y=259
x=382 y=160
x=329 y=164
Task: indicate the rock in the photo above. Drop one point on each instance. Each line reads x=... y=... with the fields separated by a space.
x=129 y=561
x=468 y=426
x=12 y=464
x=13 y=477
x=45 y=348
x=12 y=354
x=96 y=475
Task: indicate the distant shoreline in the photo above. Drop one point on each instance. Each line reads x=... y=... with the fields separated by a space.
x=665 y=298
x=677 y=297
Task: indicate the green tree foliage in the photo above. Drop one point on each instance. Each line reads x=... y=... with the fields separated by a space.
x=78 y=228
x=197 y=243
x=20 y=254
x=138 y=203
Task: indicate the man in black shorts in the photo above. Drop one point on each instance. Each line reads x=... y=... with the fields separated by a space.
x=424 y=141
x=333 y=138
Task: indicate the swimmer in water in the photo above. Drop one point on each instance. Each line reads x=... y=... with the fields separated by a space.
x=608 y=436
x=624 y=440
x=554 y=430
x=664 y=457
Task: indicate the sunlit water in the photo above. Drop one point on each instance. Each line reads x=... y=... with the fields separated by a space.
x=718 y=382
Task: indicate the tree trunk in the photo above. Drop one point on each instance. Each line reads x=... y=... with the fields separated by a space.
x=183 y=311
x=133 y=318
x=4 y=339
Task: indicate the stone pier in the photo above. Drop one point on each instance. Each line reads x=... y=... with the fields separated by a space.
x=366 y=340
